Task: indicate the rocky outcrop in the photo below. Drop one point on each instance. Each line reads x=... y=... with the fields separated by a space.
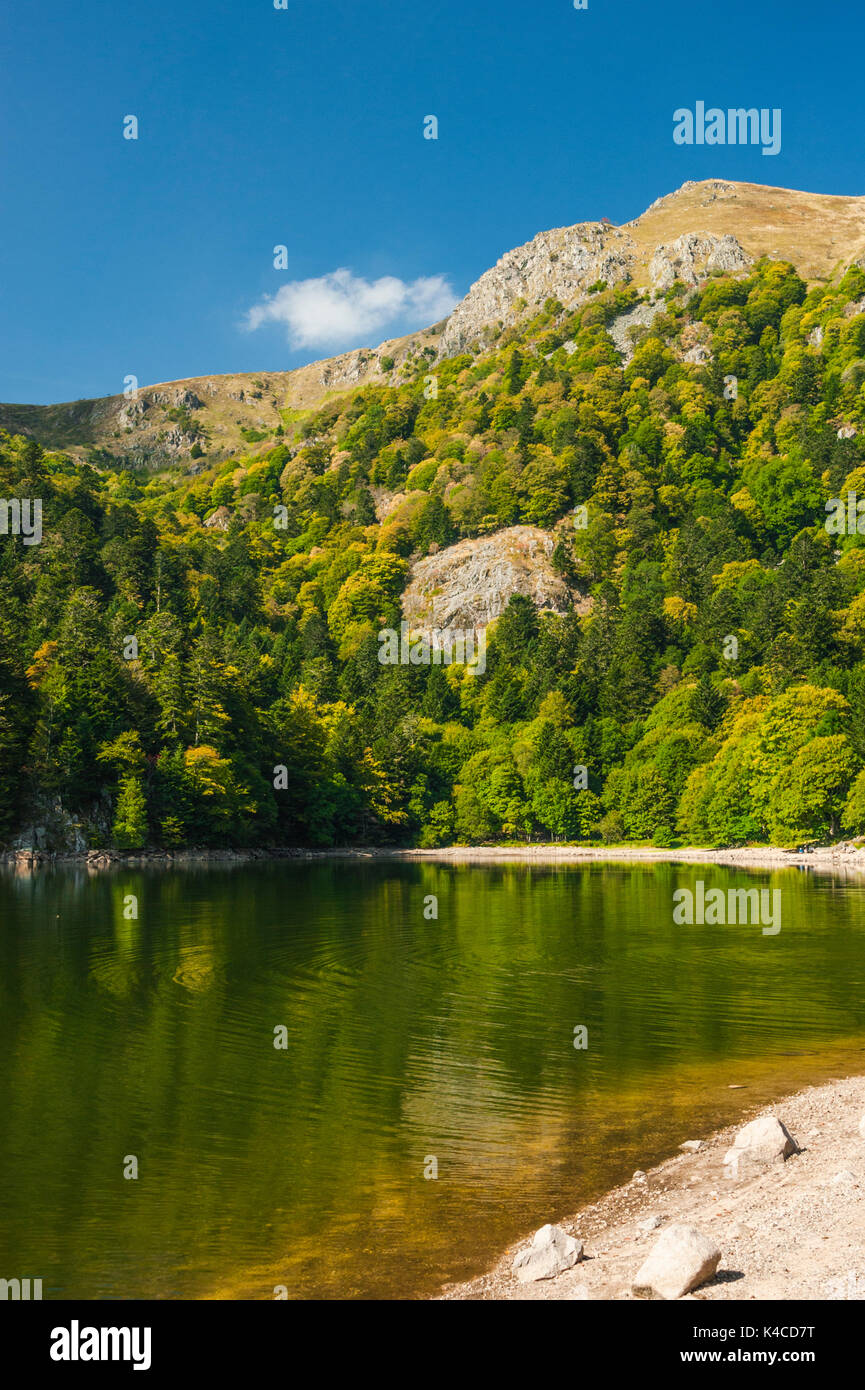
x=469 y=584
x=619 y=330
x=564 y=264
x=693 y=256
x=220 y=520
x=233 y=415
x=559 y=264
x=712 y=188
x=51 y=829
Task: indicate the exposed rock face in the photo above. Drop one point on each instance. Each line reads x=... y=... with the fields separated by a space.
x=761 y=1144
x=564 y=263
x=468 y=585
x=132 y=414
x=681 y=1259
x=693 y=255
x=54 y=829
x=139 y=430
x=552 y=1250
x=641 y=316
x=560 y=264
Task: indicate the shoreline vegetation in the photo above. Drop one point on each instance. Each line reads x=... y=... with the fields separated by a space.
x=654 y=530
x=773 y=1227
x=844 y=856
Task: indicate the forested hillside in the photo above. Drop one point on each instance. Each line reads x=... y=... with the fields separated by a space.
x=168 y=682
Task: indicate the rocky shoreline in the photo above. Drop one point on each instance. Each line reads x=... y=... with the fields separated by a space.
x=846 y=856
x=771 y=1210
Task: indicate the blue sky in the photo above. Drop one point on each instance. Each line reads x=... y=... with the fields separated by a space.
x=303 y=127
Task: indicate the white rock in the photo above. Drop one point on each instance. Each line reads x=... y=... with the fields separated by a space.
x=651 y=1223
x=551 y=1251
x=692 y=1145
x=763 y=1142
x=561 y=263
x=681 y=1259
x=639 y=1176
x=469 y=584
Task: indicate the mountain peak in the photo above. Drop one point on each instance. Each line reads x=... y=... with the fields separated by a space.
x=713 y=224
x=702 y=227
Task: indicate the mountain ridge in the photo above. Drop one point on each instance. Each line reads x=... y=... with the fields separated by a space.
x=701 y=227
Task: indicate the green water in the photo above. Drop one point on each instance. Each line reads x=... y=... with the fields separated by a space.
x=408 y=1039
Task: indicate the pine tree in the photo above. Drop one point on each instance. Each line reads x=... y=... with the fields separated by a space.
x=130 y=816
x=708 y=704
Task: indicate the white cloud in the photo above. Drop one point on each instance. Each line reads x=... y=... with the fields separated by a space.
x=342 y=309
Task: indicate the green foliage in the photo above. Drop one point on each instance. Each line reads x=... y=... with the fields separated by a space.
x=256 y=710
x=130 y=818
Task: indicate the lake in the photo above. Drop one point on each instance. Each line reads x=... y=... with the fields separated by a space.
x=412 y=1044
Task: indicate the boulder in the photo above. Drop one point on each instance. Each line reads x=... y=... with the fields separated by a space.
x=681 y=1259
x=761 y=1144
x=552 y=1250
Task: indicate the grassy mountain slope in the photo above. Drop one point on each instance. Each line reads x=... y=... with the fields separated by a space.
x=693 y=664
x=161 y=426
x=815 y=232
